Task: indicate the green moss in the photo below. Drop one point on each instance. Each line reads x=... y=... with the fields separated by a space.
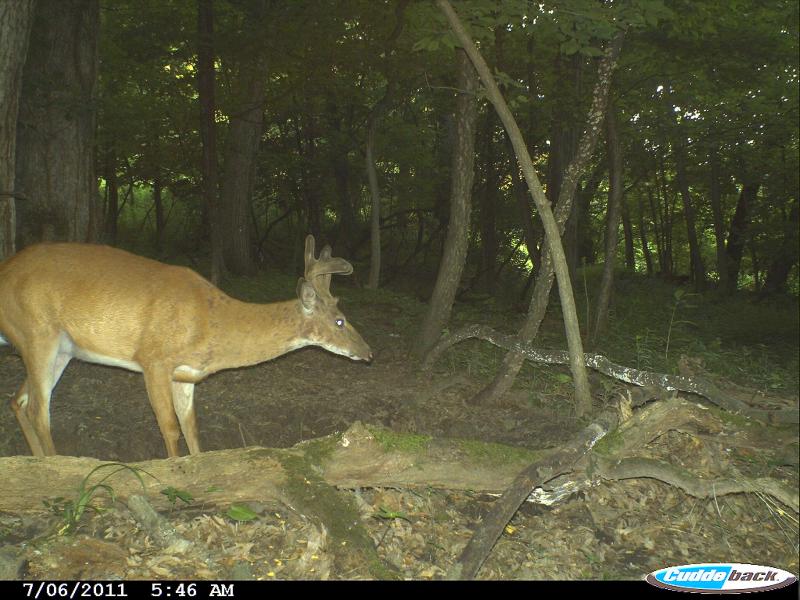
x=311 y=495
x=497 y=453
x=400 y=442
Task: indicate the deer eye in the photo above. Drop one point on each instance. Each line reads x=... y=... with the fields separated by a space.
x=339 y=322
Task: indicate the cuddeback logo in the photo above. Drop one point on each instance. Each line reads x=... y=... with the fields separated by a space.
x=720 y=578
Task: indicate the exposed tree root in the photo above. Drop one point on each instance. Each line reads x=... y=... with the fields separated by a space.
x=598 y=362
x=606 y=460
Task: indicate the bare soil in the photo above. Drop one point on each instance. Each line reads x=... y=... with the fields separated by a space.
x=620 y=530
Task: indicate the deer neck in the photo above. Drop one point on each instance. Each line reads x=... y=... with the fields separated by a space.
x=243 y=334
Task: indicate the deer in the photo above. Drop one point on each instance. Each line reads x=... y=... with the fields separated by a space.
x=99 y=304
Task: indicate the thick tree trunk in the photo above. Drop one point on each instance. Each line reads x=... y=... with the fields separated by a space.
x=719 y=220
x=462 y=174
x=698 y=270
x=205 y=87
x=737 y=237
x=16 y=21
x=612 y=225
x=55 y=136
x=787 y=254
x=241 y=148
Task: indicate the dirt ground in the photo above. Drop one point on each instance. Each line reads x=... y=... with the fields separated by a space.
x=620 y=530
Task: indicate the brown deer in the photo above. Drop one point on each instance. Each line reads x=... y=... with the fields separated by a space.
x=103 y=305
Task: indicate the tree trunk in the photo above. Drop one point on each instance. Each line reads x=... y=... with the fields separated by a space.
x=737 y=237
x=581 y=215
x=488 y=211
x=16 y=21
x=786 y=257
x=159 y=206
x=375 y=213
x=648 y=258
x=338 y=150
x=553 y=259
x=462 y=174
x=627 y=229
x=112 y=195
x=241 y=148
x=205 y=89
x=307 y=153
x=563 y=146
x=525 y=213
x=655 y=217
x=719 y=220
x=55 y=136
x=698 y=270
x=612 y=225
x=375 y=115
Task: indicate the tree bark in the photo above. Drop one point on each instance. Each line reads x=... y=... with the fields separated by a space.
x=56 y=126
x=648 y=257
x=488 y=210
x=612 y=225
x=564 y=135
x=553 y=259
x=241 y=148
x=375 y=212
x=112 y=195
x=462 y=175
x=627 y=229
x=16 y=21
x=719 y=219
x=205 y=89
x=375 y=115
x=737 y=236
x=787 y=254
x=698 y=270
x=159 y=210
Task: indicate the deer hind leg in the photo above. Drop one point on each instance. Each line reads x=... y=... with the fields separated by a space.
x=19 y=404
x=183 y=402
x=44 y=363
x=159 y=389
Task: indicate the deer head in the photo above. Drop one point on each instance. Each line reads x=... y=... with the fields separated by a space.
x=326 y=325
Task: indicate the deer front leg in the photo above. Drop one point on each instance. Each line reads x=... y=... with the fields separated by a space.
x=158 y=381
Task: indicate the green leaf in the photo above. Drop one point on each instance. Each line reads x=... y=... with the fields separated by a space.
x=174 y=494
x=241 y=512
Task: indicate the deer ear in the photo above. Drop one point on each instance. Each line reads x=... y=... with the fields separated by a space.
x=307 y=294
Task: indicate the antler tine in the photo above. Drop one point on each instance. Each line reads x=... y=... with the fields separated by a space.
x=319 y=271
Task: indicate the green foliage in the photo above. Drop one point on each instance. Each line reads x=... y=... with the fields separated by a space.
x=72 y=510
x=174 y=494
x=390 y=515
x=241 y=513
